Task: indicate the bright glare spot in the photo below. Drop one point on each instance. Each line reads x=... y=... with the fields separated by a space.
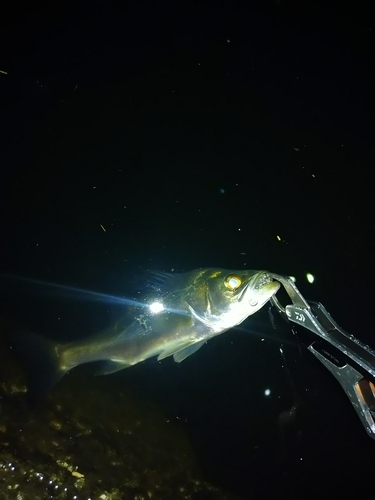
x=310 y=277
x=156 y=307
x=293 y=278
x=267 y=392
x=278 y=237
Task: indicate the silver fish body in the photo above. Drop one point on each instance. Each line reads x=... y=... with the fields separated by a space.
x=180 y=314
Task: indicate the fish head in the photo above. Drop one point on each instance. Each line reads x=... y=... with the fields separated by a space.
x=232 y=296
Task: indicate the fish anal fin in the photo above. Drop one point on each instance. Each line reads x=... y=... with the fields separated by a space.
x=109 y=367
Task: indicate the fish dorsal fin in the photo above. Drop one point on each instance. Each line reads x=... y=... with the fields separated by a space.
x=158 y=280
x=187 y=351
x=160 y=276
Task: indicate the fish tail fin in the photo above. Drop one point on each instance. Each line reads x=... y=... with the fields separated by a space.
x=39 y=359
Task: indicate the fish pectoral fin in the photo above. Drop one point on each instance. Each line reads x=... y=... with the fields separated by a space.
x=181 y=350
x=175 y=347
x=109 y=367
x=187 y=351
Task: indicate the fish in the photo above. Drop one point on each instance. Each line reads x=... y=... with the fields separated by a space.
x=176 y=316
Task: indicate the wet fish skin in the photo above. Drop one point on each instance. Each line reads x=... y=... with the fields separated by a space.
x=195 y=306
x=175 y=317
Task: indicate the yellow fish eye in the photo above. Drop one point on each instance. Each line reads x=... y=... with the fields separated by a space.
x=232 y=282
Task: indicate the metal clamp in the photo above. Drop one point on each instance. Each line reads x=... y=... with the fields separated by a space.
x=314 y=317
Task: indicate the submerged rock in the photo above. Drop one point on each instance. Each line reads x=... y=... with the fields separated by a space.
x=83 y=442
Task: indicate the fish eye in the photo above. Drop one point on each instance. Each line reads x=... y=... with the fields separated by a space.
x=232 y=282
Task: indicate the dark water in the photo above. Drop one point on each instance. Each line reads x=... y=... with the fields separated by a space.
x=171 y=137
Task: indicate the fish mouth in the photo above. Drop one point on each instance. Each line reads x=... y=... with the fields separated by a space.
x=267 y=285
x=260 y=288
x=261 y=279
x=261 y=282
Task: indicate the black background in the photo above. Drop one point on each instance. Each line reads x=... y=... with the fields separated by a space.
x=196 y=134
